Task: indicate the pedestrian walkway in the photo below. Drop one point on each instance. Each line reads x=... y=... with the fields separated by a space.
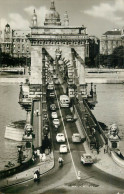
x=43 y=167
x=103 y=161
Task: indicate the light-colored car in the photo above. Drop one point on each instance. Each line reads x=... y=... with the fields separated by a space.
x=52 y=107
x=56 y=122
x=60 y=137
x=63 y=149
x=56 y=81
x=69 y=118
x=86 y=159
x=50 y=87
x=54 y=115
x=76 y=138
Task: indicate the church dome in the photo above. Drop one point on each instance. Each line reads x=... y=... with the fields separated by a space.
x=52 y=17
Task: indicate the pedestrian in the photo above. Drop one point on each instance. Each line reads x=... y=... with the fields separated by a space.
x=97 y=150
x=34 y=112
x=37 y=112
x=44 y=157
x=104 y=149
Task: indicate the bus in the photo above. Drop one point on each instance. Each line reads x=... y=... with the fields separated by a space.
x=64 y=101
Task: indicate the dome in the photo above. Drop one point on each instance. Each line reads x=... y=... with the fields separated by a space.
x=52 y=17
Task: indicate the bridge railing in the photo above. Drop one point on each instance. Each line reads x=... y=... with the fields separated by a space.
x=96 y=122
x=90 y=139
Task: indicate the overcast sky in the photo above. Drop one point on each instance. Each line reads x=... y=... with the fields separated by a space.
x=97 y=15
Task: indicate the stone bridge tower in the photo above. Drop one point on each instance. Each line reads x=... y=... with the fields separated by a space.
x=54 y=35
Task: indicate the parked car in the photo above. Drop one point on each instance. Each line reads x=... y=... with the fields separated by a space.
x=54 y=115
x=60 y=137
x=52 y=107
x=76 y=138
x=86 y=159
x=56 y=122
x=69 y=118
x=63 y=148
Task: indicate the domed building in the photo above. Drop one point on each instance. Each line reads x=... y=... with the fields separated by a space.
x=52 y=17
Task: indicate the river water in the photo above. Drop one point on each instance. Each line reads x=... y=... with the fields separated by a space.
x=109 y=110
x=10 y=110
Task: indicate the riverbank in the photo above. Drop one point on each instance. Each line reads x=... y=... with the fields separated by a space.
x=105 y=76
x=13 y=79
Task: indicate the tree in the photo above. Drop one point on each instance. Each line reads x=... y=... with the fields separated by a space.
x=118 y=57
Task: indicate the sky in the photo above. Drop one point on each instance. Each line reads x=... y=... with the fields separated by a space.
x=98 y=16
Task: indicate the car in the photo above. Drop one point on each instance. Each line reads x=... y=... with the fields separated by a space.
x=46 y=127
x=56 y=122
x=76 y=138
x=86 y=159
x=69 y=118
x=63 y=149
x=45 y=116
x=52 y=107
x=56 y=82
x=54 y=115
x=52 y=94
x=60 y=137
x=54 y=76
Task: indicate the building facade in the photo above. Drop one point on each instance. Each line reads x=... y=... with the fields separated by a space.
x=110 y=40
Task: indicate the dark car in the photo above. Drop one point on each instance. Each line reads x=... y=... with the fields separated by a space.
x=69 y=118
x=52 y=107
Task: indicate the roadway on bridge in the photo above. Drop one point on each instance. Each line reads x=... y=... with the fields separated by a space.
x=54 y=181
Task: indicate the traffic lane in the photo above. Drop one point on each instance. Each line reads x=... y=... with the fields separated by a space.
x=71 y=128
x=92 y=173
x=54 y=178
x=86 y=171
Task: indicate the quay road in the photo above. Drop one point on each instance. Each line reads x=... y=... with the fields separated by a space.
x=65 y=179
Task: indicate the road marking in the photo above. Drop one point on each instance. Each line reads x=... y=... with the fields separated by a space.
x=39 y=122
x=66 y=135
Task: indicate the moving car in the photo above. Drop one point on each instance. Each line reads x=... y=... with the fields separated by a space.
x=60 y=137
x=63 y=148
x=56 y=122
x=69 y=118
x=76 y=138
x=50 y=87
x=52 y=94
x=86 y=159
x=52 y=107
x=54 y=115
x=56 y=82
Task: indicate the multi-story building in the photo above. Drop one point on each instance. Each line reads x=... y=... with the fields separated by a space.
x=110 y=40
x=20 y=43
x=16 y=42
